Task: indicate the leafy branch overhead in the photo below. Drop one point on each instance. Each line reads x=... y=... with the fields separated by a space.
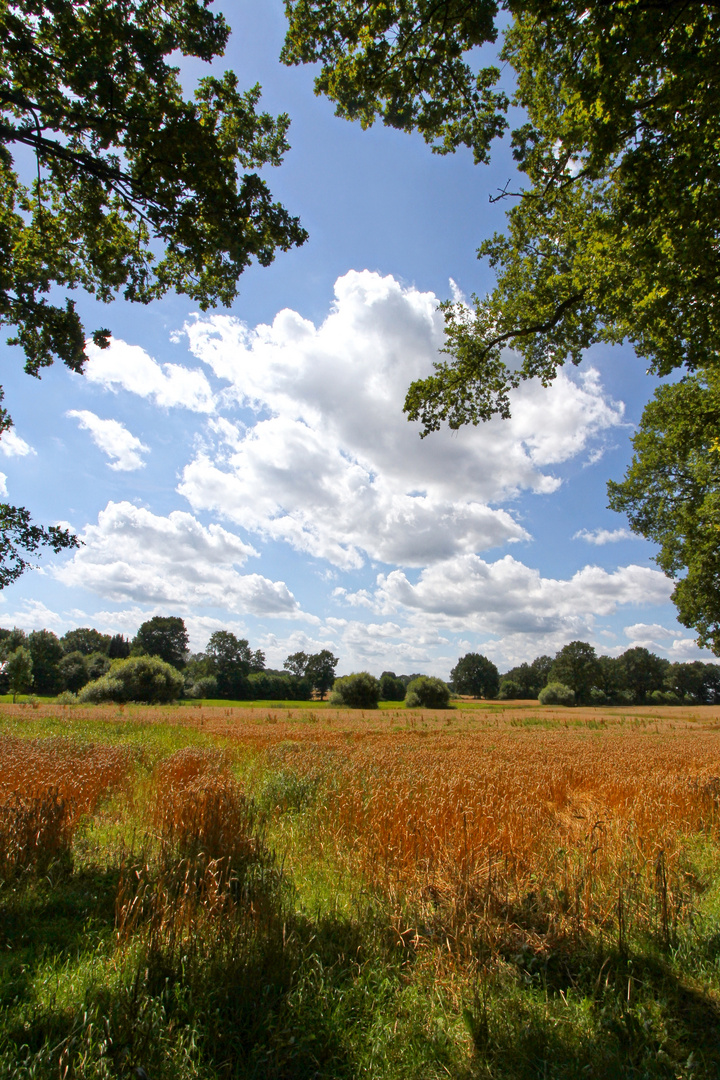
x=133 y=188
x=614 y=234
x=136 y=188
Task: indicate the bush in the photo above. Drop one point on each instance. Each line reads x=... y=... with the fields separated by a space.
x=427 y=692
x=139 y=678
x=361 y=690
x=509 y=690
x=269 y=686
x=204 y=687
x=556 y=693
x=598 y=696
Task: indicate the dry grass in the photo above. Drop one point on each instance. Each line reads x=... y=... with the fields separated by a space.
x=46 y=787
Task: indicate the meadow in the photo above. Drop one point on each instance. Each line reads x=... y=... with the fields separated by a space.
x=503 y=891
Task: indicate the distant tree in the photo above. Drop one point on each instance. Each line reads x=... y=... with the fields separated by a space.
x=361 y=690
x=320 y=671
x=576 y=666
x=46 y=652
x=685 y=680
x=427 y=692
x=19 y=671
x=510 y=691
x=610 y=679
x=73 y=671
x=231 y=660
x=641 y=671
x=296 y=663
x=10 y=640
x=711 y=684
x=119 y=648
x=530 y=678
x=85 y=640
x=391 y=688
x=475 y=675
x=164 y=636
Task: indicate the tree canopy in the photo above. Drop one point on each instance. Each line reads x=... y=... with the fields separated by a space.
x=613 y=231
x=135 y=188
x=165 y=636
x=671 y=494
x=475 y=675
x=613 y=227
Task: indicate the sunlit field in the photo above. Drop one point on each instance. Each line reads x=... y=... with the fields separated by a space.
x=499 y=891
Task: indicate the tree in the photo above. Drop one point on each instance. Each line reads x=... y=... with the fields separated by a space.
x=641 y=671
x=556 y=693
x=296 y=663
x=18 y=669
x=119 y=648
x=231 y=660
x=85 y=640
x=527 y=679
x=320 y=670
x=73 y=671
x=391 y=688
x=46 y=652
x=577 y=667
x=613 y=234
x=163 y=636
x=135 y=188
x=475 y=675
x=671 y=494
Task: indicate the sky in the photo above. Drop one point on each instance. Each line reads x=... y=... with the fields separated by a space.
x=251 y=469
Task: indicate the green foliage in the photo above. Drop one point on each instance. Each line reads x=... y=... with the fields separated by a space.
x=204 y=687
x=475 y=675
x=46 y=652
x=19 y=671
x=73 y=671
x=85 y=640
x=118 y=648
x=230 y=660
x=641 y=671
x=556 y=693
x=139 y=678
x=163 y=636
x=270 y=686
x=317 y=668
x=427 y=692
x=391 y=688
x=671 y=494
x=18 y=537
x=529 y=678
x=576 y=666
x=361 y=690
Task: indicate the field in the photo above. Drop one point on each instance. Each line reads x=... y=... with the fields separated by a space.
x=507 y=891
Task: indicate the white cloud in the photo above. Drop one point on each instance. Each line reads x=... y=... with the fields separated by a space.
x=507 y=596
x=113 y=438
x=3 y=485
x=128 y=367
x=11 y=445
x=604 y=536
x=135 y=555
x=332 y=467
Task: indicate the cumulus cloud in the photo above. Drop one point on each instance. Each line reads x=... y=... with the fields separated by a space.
x=113 y=438
x=332 y=467
x=135 y=555
x=604 y=536
x=11 y=445
x=3 y=484
x=507 y=596
x=128 y=367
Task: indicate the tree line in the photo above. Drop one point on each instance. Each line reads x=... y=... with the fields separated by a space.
x=227 y=668
x=576 y=674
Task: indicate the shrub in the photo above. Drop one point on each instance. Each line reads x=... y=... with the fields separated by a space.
x=556 y=693
x=598 y=696
x=427 y=692
x=139 y=678
x=205 y=687
x=361 y=690
x=509 y=690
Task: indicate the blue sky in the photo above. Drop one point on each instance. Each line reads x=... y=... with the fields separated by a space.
x=252 y=469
